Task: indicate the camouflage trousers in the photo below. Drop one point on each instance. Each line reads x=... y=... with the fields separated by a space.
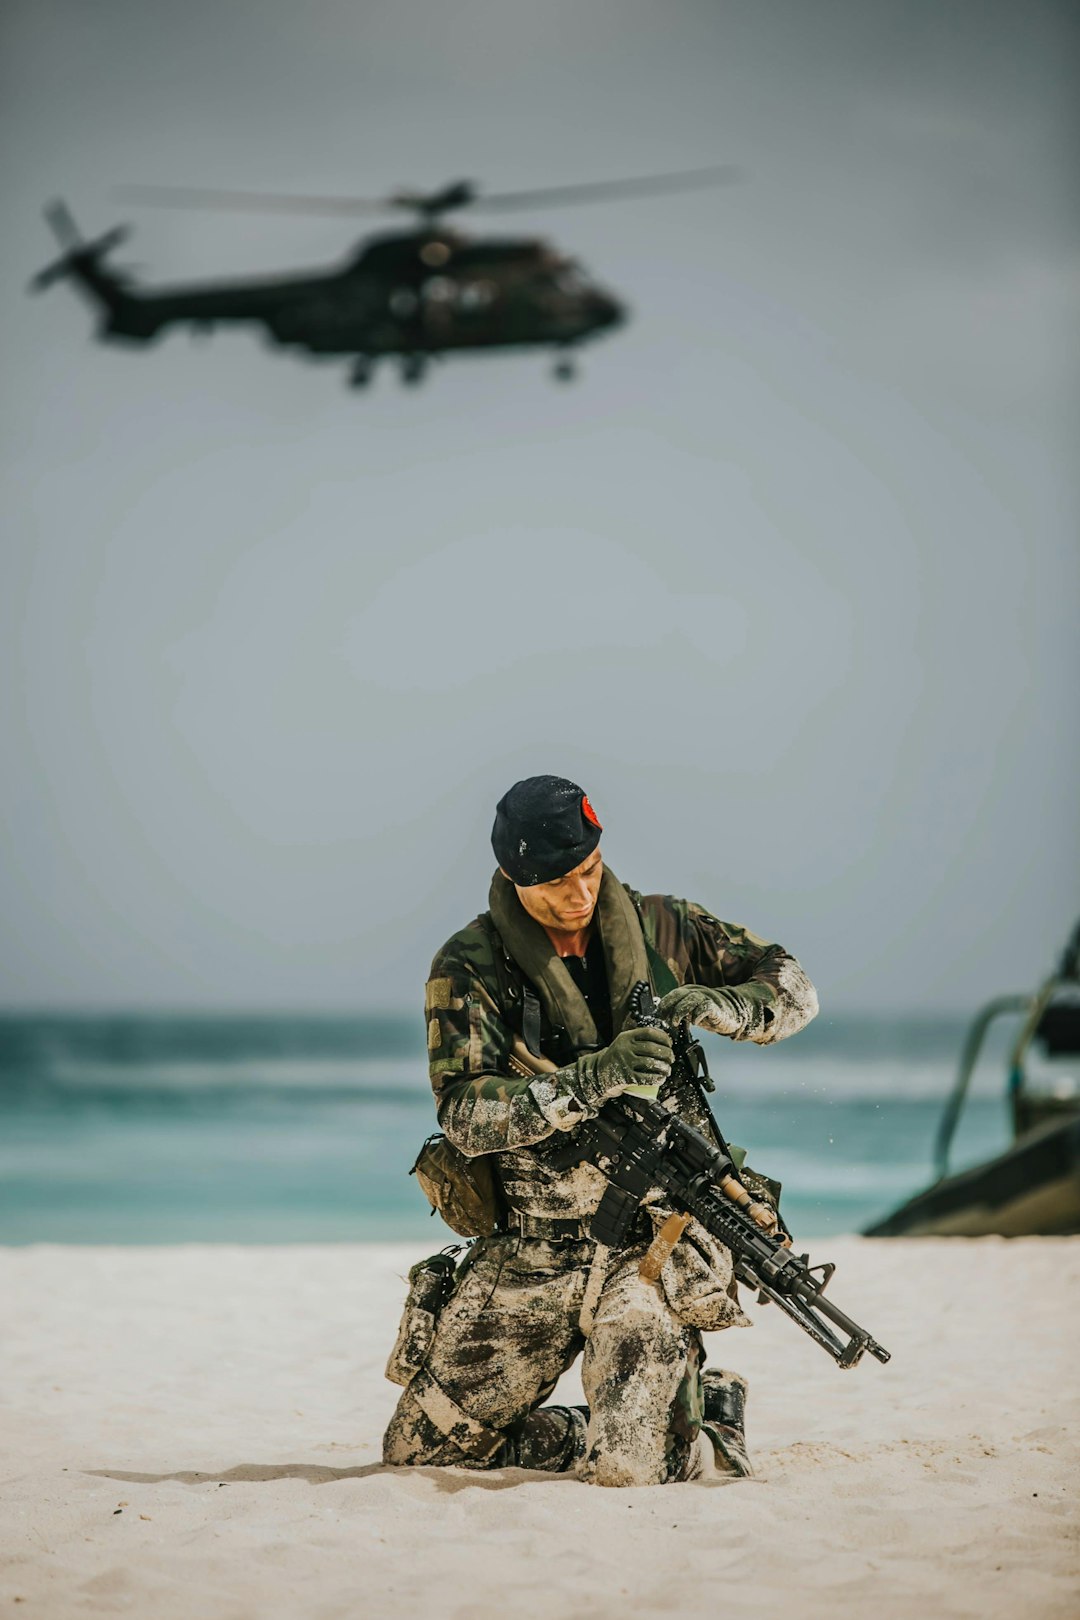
x=512 y=1327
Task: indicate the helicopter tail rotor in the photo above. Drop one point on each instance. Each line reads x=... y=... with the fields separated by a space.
x=76 y=254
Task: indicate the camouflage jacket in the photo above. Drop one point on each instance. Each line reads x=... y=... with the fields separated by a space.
x=506 y=1028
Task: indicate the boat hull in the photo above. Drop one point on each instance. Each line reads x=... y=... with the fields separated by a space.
x=1032 y=1189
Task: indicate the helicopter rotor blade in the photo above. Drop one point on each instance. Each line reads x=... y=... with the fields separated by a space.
x=458 y=194
x=59 y=218
x=250 y=202
x=652 y=185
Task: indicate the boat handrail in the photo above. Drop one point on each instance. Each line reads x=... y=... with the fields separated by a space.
x=1038 y=1004
x=968 y=1059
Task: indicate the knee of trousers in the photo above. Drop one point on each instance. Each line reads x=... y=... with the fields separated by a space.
x=412 y=1440
x=551 y=1439
x=641 y=1376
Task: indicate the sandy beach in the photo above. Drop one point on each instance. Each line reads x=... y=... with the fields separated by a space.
x=195 y=1431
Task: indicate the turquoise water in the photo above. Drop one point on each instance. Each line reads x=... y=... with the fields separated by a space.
x=276 y=1130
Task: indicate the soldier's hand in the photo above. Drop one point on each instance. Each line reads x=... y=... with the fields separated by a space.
x=637 y=1057
x=723 y=1012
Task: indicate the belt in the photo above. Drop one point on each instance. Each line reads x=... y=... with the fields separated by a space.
x=541 y=1226
x=567 y=1231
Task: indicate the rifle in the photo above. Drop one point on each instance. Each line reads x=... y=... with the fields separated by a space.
x=638 y=1145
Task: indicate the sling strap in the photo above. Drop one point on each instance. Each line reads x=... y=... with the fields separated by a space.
x=530 y=1022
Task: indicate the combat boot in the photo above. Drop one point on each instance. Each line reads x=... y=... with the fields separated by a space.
x=725 y=1421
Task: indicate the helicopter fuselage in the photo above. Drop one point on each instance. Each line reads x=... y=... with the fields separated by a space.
x=415 y=294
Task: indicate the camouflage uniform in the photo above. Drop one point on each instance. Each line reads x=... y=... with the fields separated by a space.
x=509 y=1039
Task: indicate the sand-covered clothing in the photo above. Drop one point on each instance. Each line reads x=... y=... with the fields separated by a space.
x=513 y=1049
x=512 y=1328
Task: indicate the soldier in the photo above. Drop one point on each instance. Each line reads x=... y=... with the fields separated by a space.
x=526 y=1009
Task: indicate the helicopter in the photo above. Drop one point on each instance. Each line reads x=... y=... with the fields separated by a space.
x=416 y=295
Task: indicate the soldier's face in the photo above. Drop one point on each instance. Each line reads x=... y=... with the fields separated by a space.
x=566 y=903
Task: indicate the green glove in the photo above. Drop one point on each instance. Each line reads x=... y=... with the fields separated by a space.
x=637 y=1057
x=723 y=1012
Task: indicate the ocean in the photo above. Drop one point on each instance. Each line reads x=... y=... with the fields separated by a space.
x=272 y=1129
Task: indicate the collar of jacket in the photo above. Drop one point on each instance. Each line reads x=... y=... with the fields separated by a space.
x=624 y=955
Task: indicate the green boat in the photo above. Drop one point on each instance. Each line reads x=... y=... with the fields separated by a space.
x=1033 y=1188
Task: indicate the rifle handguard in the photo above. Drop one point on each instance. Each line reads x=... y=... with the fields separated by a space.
x=761 y=1213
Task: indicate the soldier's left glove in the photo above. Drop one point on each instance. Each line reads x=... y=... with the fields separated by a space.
x=732 y=1012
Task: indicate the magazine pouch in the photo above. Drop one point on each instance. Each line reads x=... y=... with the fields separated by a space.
x=431 y=1283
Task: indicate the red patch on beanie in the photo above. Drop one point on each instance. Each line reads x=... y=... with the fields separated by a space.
x=588 y=812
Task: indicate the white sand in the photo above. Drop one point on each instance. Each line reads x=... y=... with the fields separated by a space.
x=230 y=1403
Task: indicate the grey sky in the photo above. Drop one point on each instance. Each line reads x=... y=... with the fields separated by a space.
x=789 y=580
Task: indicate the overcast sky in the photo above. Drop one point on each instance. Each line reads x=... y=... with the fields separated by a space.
x=788 y=579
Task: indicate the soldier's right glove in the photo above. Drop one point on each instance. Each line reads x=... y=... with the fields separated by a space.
x=723 y=1011
x=637 y=1057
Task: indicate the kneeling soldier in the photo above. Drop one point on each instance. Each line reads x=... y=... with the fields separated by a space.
x=526 y=1011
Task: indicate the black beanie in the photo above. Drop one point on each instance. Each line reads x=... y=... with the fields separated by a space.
x=544 y=827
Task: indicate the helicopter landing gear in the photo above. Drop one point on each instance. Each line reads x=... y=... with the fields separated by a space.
x=360 y=375
x=564 y=369
x=413 y=367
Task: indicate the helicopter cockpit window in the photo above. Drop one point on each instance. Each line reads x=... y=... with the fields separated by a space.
x=476 y=295
x=569 y=279
x=440 y=289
